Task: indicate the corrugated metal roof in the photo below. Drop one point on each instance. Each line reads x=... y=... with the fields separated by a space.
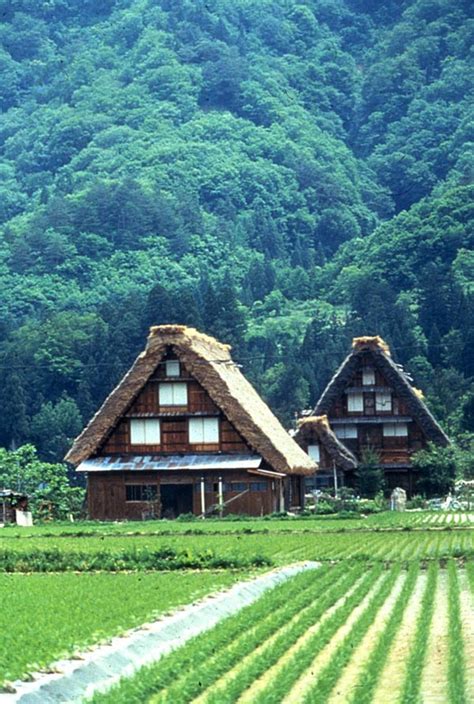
x=169 y=463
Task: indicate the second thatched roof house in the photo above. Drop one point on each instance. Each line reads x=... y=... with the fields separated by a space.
x=369 y=406
x=185 y=432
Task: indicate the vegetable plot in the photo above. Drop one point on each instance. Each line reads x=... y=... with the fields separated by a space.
x=347 y=633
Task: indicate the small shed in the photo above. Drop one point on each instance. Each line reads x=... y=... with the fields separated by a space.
x=11 y=502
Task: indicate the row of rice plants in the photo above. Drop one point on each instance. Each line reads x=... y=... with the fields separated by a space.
x=456 y=661
x=367 y=682
x=283 y=680
x=48 y=616
x=185 y=673
x=417 y=656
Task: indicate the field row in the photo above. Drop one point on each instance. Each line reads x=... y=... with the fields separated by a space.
x=388 y=520
x=46 y=616
x=241 y=549
x=341 y=634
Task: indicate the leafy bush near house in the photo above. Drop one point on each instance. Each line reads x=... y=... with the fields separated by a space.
x=47 y=485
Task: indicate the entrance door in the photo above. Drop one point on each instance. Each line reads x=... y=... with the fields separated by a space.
x=176 y=499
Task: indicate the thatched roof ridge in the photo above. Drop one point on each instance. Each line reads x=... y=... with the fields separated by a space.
x=318 y=426
x=375 y=349
x=211 y=365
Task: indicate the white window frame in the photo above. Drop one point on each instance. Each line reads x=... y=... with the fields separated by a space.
x=368 y=376
x=346 y=432
x=355 y=402
x=172 y=368
x=145 y=431
x=314 y=451
x=383 y=401
x=203 y=431
x=172 y=393
x=395 y=430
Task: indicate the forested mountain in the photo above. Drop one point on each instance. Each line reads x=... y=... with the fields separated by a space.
x=282 y=174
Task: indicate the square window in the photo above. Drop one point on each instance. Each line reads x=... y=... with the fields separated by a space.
x=172 y=367
x=368 y=376
x=173 y=394
x=395 y=430
x=355 y=402
x=383 y=401
x=203 y=431
x=346 y=431
x=141 y=492
x=145 y=431
x=313 y=452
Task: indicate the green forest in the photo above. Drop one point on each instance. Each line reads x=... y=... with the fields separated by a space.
x=282 y=174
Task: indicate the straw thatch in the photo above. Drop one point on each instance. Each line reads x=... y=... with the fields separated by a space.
x=375 y=351
x=317 y=427
x=210 y=363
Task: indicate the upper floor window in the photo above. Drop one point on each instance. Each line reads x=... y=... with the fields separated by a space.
x=395 y=430
x=145 y=431
x=368 y=376
x=203 y=431
x=172 y=367
x=355 y=402
x=346 y=431
x=383 y=401
x=173 y=394
x=314 y=452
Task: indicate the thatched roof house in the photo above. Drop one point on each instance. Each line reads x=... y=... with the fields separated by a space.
x=214 y=389
x=316 y=429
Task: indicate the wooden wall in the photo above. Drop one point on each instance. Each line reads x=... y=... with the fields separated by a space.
x=107 y=493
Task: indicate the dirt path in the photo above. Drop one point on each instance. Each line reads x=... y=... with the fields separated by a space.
x=347 y=683
x=467 y=619
x=392 y=677
x=434 y=680
x=259 y=685
x=321 y=660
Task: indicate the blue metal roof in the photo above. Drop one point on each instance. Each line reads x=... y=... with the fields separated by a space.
x=136 y=463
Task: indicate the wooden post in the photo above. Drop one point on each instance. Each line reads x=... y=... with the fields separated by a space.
x=282 y=496
x=335 y=478
x=203 y=497
x=221 y=497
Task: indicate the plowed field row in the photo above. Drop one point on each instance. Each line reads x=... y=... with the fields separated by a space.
x=343 y=634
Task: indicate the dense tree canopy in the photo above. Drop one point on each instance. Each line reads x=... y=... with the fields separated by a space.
x=283 y=174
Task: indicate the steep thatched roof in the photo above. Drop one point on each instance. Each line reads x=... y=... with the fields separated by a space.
x=211 y=365
x=375 y=350
x=318 y=427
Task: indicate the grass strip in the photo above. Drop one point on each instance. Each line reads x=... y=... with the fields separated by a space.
x=370 y=675
x=157 y=676
x=329 y=675
x=234 y=687
x=303 y=657
x=204 y=674
x=456 y=658
x=416 y=659
x=470 y=575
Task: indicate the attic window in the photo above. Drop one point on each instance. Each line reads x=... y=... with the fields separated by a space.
x=346 y=431
x=203 y=431
x=383 y=401
x=368 y=376
x=172 y=367
x=355 y=402
x=173 y=394
x=395 y=430
x=314 y=452
x=144 y=431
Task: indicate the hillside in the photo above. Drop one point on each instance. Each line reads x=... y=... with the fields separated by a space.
x=281 y=174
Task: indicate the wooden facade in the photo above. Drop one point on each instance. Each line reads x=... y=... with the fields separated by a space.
x=174 y=449
x=372 y=408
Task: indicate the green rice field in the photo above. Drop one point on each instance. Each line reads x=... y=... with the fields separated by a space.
x=387 y=617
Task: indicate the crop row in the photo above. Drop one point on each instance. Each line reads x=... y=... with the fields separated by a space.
x=333 y=641
x=48 y=616
x=233 y=550
x=382 y=521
